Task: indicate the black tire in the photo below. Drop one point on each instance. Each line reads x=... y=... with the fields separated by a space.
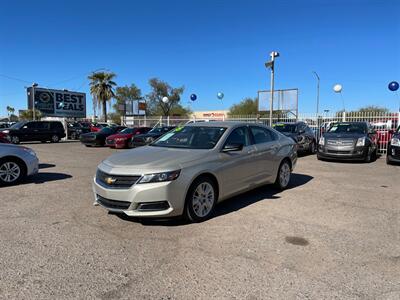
x=130 y=144
x=12 y=163
x=73 y=136
x=284 y=174
x=55 y=138
x=368 y=156
x=313 y=147
x=193 y=212
x=15 y=139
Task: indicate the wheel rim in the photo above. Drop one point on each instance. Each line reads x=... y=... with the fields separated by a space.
x=55 y=138
x=203 y=199
x=15 y=139
x=9 y=171
x=284 y=175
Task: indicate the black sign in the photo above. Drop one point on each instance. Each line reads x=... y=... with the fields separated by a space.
x=58 y=103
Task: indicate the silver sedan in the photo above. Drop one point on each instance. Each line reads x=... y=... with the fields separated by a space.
x=190 y=169
x=16 y=162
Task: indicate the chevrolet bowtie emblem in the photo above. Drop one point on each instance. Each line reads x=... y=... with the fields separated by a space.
x=110 y=180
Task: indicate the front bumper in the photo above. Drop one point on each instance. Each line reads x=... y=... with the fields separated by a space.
x=342 y=153
x=130 y=200
x=32 y=165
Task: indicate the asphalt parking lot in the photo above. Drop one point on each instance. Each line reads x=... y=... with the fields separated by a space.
x=334 y=234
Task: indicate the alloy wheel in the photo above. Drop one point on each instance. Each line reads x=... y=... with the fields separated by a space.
x=10 y=172
x=203 y=199
x=55 y=138
x=15 y=140
x=284 y=175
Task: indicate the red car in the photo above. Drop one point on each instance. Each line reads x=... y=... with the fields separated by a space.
x=4 y=138
x=120 y=139
x=95 y=127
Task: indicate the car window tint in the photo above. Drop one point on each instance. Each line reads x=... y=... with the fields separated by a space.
x=31 y=125
x=239 y=136
x=262 y=135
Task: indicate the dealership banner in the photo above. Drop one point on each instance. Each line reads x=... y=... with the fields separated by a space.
x=58 y=103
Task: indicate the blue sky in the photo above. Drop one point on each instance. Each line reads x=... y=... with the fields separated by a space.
x=207 y=46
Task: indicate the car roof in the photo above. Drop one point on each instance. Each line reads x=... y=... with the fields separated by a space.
x=227 y=124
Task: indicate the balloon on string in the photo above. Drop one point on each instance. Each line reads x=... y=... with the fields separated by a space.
x=393 y=86
x=193 y=97
x=165 y=100
x=220 y=95
x=337 y=88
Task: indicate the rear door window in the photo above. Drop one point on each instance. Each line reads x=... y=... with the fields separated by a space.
x=239 y=136
x=262 y=135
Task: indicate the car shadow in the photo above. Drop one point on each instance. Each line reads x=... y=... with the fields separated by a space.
x=263 y=193
x=46 y=166
x=43 y=177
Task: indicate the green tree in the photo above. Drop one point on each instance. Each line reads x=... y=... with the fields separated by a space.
x=159 y=90
x=28 y=114
x=10 y=110
x=373 y=109
x=248 y=106
x=102 y=89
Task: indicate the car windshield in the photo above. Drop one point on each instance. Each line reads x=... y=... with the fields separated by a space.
x=158 y=130
x=348 y=128
x=107 y=130
x=285 y=127
x=18 y=125
x=191 y=137
x=127 y=130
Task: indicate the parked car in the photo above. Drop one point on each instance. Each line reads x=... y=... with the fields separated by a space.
x=301 y=133
x=16 y=162
x=393 y=150
x=384 y=132
x=349 y=140
x=74 y=130
x=27 y=131
x=4 y=138
x=95 y=127
x=190 y=169
x=149 y=137
x=122 y=138
x=99 y=138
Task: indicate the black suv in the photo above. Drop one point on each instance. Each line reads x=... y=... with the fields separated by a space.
x=302 y=134
x=42 y=131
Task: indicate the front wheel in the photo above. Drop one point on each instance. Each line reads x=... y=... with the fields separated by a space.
x=15 y=140
x=200 y=200
x=74 y=136
x=11 y=172
x=368 y=156
x=313 y=147
x=283 y=176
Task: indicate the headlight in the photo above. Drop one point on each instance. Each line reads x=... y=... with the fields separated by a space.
x=360 y=142
x=29 y=150
x=6 y=131
x=395 y=142
x=160 y=177
x=321 y=141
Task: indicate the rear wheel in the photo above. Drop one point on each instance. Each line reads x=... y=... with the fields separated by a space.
x=200 y=200
x=283 y=176
x=55 y=138
x=11 y=171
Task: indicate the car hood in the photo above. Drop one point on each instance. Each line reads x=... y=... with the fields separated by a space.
x=153 y=159
x=120 y=135
x=334 y=135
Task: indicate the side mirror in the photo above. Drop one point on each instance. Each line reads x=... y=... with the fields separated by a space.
x=232 y=147
x=25 y=127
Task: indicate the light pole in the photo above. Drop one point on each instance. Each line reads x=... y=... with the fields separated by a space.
x=271 y=65
x=315 y=73
x=33 y=101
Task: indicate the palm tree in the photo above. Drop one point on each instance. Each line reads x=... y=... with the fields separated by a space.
x=102 y=89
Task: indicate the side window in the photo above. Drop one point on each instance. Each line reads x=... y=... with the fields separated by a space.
x=239 y=136
x=263 y=135
x=31 y=125
x=42 y=125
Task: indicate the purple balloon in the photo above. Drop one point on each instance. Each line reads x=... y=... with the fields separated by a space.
x=393 y=86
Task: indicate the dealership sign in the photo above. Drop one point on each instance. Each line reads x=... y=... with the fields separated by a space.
x=58 y=103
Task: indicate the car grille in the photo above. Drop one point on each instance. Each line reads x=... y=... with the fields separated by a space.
x=339 y=152
x=340 y=142
x=116 y=181
x=113 y=204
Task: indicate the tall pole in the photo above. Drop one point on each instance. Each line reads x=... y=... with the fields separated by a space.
x=33 y=101
x=317 y=92
x=271 y=103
